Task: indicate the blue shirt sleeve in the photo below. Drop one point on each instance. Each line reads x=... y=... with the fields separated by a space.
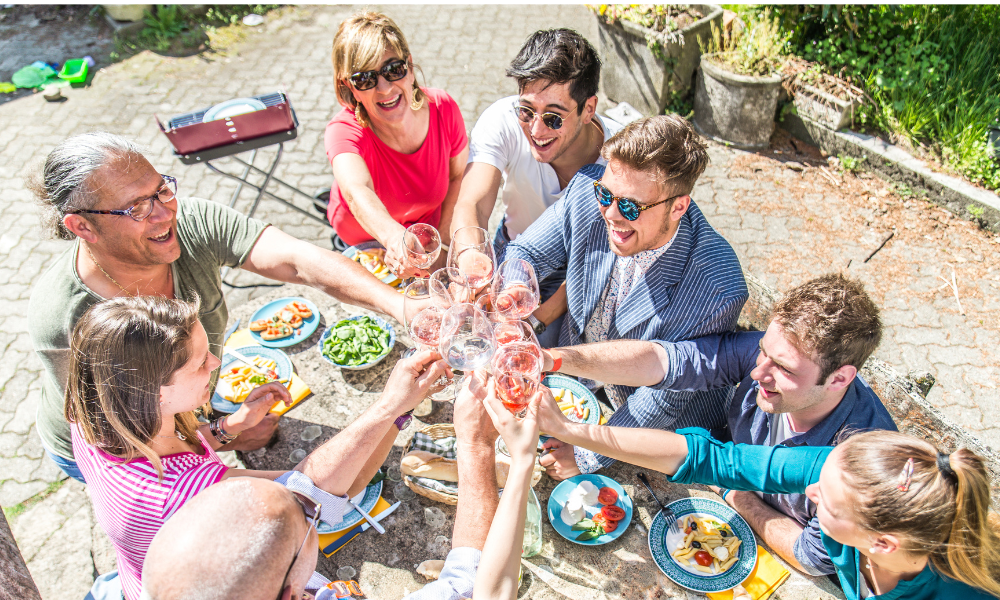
x=810 y=551
x=457 y=577
x=769 y=469
x=709 y=362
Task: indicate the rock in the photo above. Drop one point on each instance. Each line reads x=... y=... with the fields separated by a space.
x=431 y=569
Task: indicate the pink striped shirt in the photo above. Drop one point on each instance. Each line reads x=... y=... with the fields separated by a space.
x=131 y=505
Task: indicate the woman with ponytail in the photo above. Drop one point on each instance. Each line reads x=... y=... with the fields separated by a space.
x=898 y=518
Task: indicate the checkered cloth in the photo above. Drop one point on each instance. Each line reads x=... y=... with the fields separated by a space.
x=443 y=447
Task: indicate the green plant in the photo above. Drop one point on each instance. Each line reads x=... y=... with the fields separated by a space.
x=757 y=48
x=167 y=21
x=850 y=163
x=977 y=213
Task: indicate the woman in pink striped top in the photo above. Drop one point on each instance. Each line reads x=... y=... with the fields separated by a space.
x=138 y=368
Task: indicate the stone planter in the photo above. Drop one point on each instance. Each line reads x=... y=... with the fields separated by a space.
x=126 y=12
x=735 y=109
x=632 y=73
x=826 y=109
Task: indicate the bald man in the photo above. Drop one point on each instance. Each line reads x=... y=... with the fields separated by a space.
x=199 y=555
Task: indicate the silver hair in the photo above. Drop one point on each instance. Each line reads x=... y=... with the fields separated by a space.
x=64 y=184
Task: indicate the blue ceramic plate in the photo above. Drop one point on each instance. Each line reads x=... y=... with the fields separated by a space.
x=385 y=325
x=284 y=371
x=390 y=279
x=580 y=391
x=366 y=500
x=272 y=308
x=231 y=108
x=561 y=493
x=662 y=545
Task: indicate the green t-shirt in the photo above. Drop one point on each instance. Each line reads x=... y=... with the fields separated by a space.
x=211 y=236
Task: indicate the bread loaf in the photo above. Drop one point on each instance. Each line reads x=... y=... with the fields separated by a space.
x=503 y=468
x=418 y=463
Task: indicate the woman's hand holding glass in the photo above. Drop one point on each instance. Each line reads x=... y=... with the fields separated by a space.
x=519 y=435
x=419 y=249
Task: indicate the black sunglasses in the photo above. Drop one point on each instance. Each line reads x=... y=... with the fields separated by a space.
x=526 y=115
x=629 y=208
x=312 y=510
x=141 y=208
x=394 y=70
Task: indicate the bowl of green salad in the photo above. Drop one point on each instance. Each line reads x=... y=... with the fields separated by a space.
x=357 y=343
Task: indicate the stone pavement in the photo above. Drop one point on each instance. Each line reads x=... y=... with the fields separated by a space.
x=786 y=225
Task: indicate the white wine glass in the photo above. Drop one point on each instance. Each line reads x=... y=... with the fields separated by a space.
x=467 y=341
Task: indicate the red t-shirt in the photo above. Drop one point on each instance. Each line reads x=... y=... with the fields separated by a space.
x=411 y=186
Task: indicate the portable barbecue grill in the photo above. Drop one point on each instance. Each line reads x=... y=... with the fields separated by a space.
x=197 y=141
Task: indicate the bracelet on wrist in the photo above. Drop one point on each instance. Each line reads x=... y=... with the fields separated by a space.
x=218 y=429
x=724 y=492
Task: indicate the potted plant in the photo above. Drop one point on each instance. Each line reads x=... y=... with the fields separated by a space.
x=737 y=87
x=650 y=52
x=829 y=100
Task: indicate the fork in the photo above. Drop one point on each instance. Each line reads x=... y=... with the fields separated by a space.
x=668 y=514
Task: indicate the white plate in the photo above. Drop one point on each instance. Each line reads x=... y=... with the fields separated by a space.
x=231 y=108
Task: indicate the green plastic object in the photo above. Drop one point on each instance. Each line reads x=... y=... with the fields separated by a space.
x=29 y=77
x=74 y=71
x=7 y=88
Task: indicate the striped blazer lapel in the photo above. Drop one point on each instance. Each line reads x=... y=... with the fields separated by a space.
x=598 y=260
x=651 y=294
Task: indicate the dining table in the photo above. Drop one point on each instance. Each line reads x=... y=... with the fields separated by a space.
x=385 y=565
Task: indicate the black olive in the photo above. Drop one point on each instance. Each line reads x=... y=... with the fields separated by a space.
x=723 y=533
x=695 y=544
x=694 y=525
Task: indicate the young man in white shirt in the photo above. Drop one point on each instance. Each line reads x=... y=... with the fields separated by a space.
x=527 y=147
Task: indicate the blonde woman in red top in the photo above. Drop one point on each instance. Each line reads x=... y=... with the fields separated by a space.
x=398 y=151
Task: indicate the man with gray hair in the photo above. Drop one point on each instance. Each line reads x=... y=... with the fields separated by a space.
x=132 y=235
x=274 y=550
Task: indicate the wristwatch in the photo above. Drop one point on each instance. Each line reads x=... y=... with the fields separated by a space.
x=537 y=325
x=403 y=420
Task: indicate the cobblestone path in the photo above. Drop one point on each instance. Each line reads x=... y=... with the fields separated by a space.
x=786 y=225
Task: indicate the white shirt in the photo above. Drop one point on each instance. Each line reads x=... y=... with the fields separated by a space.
x=781 y=429
x=528 y=187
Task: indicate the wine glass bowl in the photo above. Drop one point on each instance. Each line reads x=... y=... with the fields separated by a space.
x=453 y=284
x=467 y=341
x=517 y=373
x=508 y=332
x=471 y=252
x=423 y=245
x=515 y=289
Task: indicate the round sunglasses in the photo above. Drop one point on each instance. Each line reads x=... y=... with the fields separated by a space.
x=629 y=208
x=394 y=70
x=526 y=115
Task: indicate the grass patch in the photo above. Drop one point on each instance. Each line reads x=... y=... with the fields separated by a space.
x=13 y=512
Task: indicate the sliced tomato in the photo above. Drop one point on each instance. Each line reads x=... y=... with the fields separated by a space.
x=607 y=496
x=598 y=518
x=613 y=513
x=235 y=370
x=703 y=558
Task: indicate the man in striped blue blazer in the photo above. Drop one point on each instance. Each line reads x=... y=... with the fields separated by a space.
x=642 y=263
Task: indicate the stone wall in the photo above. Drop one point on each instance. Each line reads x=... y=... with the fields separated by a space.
x=903 y=396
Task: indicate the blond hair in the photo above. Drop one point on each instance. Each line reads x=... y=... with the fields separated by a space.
x=121 y=352
x=360 y=42
x=665 y=146
x=944 y=512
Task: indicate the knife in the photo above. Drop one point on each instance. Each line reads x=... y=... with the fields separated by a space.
x=368 y=517
x=247 y=362
x=350 y=535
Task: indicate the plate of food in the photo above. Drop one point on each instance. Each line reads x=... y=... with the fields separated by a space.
x=366 y=501
x=589 y=509
x=284 y=322
x=357 y=343
x=237 y=380
x=576 y=402
x=371 y=255
x=714 y=551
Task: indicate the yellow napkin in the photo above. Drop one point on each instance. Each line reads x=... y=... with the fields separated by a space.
x=765 y=578
x=296 y=387
x=325 y=539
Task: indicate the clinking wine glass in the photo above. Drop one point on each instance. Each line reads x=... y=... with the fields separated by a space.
x=517 y=373
x=453 y=284
x=515 y=289
x=424 y=305
x=422 y=243
x=508 y=332
x=485 y=303
x=471 y=252
x=467 y=341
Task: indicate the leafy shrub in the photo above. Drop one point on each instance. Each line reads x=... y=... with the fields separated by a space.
x=756 y=48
